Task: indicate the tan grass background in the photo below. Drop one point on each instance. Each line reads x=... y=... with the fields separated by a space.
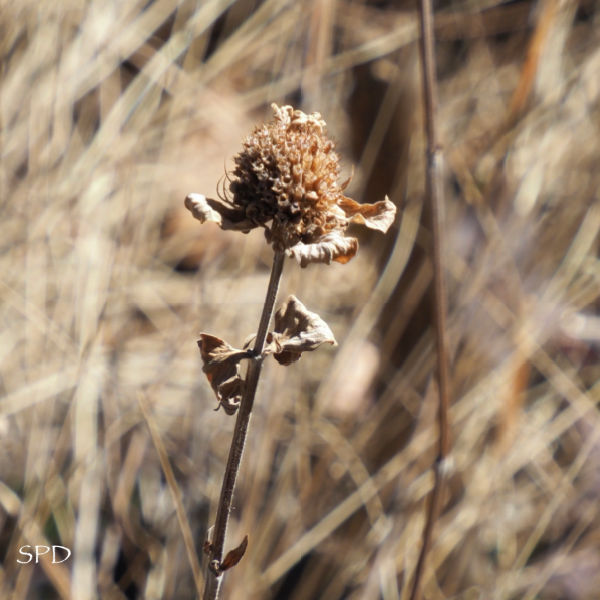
x=110 y=113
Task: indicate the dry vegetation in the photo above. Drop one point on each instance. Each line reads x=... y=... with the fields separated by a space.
x=110 y=113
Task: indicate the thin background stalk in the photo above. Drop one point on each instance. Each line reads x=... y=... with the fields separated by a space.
x=214 y=577
x=176 y=494
x=434 y=194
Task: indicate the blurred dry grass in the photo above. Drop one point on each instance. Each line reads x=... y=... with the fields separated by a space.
x=110 y=113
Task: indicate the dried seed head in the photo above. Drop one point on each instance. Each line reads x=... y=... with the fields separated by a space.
x=286 y=180
x=287 y=174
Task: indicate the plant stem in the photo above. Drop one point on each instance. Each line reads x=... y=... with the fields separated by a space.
x=214 y=578
x=434 y=194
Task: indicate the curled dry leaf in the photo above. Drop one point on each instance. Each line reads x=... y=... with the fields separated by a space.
x=378 y=216
x=222 y=369
x=333 y=246
x=297 y=330
x=225 y=215
x=234 y=556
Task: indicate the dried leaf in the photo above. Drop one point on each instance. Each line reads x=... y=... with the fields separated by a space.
x=230 y=394
x=222 y=368
x=222 y=213
x=377 y=216
x=234 y=556
x=333 y=246
x=297 y=330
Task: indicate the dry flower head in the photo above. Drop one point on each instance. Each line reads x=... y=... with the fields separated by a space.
x=286 y=180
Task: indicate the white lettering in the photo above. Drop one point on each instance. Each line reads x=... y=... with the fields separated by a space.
x=54 y=561
x=38 y=553
x=22 y=551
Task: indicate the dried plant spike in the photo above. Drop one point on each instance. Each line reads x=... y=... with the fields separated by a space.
x=286 y=180
x=297 y=330
x=222 y=369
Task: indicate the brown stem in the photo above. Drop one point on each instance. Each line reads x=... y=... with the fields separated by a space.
x=434 y=193
x=214 y=578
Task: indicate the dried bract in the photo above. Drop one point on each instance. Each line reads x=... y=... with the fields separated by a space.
x=333 y=246
x=222 y=369
x=286 y=180
x=205 y=209
x=297 y=330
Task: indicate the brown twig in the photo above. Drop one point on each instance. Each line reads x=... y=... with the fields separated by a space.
x=434 y=194
x=215 y=576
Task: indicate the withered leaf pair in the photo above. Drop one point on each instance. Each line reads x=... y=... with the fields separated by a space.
x=296 y=330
